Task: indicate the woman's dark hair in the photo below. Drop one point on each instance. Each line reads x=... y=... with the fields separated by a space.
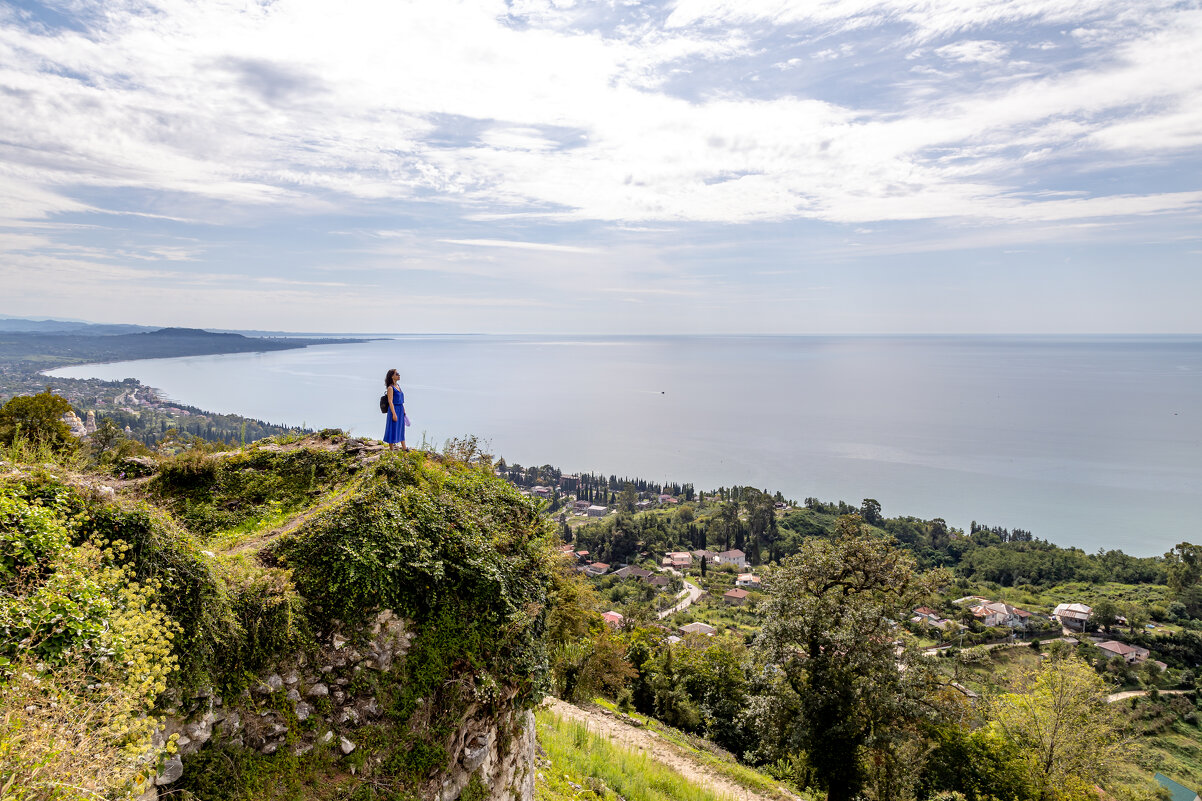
x=392 y=376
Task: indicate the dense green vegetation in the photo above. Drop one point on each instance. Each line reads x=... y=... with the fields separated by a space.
x=751 y=523
x=805 y=729
x=190 y=580
x=214 y=564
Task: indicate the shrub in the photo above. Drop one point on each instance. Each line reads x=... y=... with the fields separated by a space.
x=85 y=648
x=36 y=419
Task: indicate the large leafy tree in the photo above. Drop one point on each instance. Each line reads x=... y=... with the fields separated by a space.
x=37 y=419
x=1184 y=565
x=839 y=687
x=1066 y=732
x=761 y=523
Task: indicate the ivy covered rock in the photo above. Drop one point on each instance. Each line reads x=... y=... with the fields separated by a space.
x=330 y=614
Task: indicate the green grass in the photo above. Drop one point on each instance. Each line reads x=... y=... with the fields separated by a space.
x=716 y=612
x=580 y=757
x=272 y=516
x=1002 y=666
x=1044 y=599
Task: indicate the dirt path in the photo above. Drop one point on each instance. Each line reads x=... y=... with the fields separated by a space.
x=1110 y=699
x=656 y=747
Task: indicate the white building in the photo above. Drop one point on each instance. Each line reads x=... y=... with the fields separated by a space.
x=732 y=557
x=1073 y=616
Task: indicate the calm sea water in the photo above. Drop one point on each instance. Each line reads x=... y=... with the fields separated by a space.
x=1094 y=442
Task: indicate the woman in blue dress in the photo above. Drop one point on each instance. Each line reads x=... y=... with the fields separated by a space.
x=394 y=428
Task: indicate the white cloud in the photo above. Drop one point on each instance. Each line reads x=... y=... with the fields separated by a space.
x=975 y=50
x=506 y=243
x=928 y=19
x=285 y=106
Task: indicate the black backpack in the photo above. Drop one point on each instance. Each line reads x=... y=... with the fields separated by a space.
x=384 y=403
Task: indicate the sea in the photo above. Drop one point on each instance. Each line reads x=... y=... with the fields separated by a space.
x=1087 y=441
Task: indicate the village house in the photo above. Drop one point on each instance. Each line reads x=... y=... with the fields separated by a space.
x=680 y=560
x=541 y=492
x=596 y=569
x=582 y=556
x=703 y=554
x=569 y=483
x=748 y=580
x=596 y=511
x=699 y=628
x=581 y=506
x=733 y=557
x=643 y=505
x=735 y=597
x=1130 y=653
x=1073 y=616
x=630 y=571
x=924 y=614
x=665 y=498
x=659 y=582
x=997 y=613
x=612 y=618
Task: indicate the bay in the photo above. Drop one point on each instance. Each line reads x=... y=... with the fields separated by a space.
x=1094 y=442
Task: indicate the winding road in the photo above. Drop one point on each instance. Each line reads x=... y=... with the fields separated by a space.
x=687 y=596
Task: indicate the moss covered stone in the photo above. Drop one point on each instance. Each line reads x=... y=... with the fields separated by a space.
x=458 y=555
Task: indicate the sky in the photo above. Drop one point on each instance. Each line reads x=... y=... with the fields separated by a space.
x=689 y=166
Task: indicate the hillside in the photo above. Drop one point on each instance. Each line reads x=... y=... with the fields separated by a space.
x=317 y=617
x=43 y=350
x=311 y=618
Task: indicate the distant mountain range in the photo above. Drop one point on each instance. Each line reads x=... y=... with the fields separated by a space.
x=49 y=326
x=53 y=325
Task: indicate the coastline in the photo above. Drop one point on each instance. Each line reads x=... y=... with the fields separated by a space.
x=145 y=411
x=1056 y=440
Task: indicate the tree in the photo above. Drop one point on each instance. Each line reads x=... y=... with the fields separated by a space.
x=761 y=522
x=628 y=499
x=870 y=509
x=106 y=436
x=724 y=524
x=592 y=666
x=1105 y=613
x=1137 y=617
x=1184 y=565
x=37 y=419
x=938 y=534
x=1062 y=725
x=838 y=690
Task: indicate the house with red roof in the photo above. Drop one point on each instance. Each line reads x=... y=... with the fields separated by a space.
x=735 y=597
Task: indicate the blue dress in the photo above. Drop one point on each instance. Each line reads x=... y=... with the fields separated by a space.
x=394 y=430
